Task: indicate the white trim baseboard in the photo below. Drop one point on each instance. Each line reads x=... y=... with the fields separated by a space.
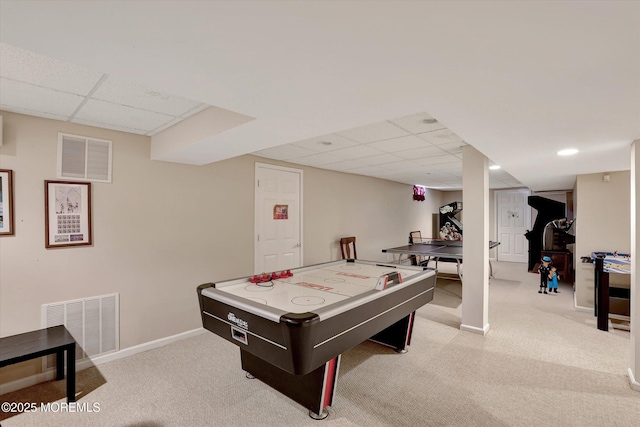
x=580 y=307
x=475 y=330
x=632 y=381
x=87 y=363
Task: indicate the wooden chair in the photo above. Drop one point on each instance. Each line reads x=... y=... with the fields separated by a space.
x=415 y=237
x=344 y=247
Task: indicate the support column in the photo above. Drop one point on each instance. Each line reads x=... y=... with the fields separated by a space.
x=475 y=249
x=634 y=370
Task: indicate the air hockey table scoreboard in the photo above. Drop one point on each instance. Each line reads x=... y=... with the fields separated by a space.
x=292 y=330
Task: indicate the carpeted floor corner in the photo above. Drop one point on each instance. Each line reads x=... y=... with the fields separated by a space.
x=542 y=363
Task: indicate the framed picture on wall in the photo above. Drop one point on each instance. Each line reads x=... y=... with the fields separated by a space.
x=67 y=213
x=6 y=202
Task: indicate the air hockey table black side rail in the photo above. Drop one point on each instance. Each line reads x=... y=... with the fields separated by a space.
x=301 y=342
x=299 y=355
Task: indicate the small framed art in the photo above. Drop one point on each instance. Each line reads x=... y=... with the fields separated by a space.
x=6 y=202
x=67 y=212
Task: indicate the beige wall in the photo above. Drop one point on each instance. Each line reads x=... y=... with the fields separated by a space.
x=160 y=229
x=602 y=211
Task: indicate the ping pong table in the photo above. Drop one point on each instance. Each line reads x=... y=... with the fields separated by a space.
x=436 y=250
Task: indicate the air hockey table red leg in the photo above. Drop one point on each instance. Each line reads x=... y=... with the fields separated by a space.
x=314 y=391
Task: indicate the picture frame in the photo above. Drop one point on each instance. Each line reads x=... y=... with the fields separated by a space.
x=67 y=209
x=6 y=203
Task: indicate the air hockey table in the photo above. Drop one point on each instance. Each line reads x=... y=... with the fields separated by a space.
x=292 y=330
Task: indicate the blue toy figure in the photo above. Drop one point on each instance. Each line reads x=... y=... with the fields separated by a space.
x=553 y=280
x=544 y=269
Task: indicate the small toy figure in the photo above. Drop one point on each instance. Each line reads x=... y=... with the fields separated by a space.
x=553 y=280
x=544 y=269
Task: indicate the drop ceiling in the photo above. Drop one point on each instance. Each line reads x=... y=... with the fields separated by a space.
x=516 y=80
x=414 y=149
x=40 y=86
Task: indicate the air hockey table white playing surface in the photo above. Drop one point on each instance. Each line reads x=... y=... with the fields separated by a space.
x=312 y=288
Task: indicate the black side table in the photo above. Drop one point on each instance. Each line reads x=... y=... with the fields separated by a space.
x=57 y=339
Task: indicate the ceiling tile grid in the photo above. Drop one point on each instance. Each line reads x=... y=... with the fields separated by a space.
x=109 y=114
x=440 y=137
x=415 y=149
x=329 y=142
x=418 y=123
x=374 y=132
x=38 y=70
x=40 y=86
x=403 y=143
x=36 y=100
x=318 y=159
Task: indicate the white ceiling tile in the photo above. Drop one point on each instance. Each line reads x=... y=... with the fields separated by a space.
x=404 y=165
x=381 y=159
x=284 y=152
x=137 y=96
x=337 y=142
x=167 y=125
x=439 y=137
x=371 y=171
x=317 y=159
x=14 y=94
x=441 y=176
x=195 y=110
x=436 y=185
x=29 y=67
x=450 y=179
x=33 y=113
x=113 y=126
x=402 y=143
x=415 y=179
x=449 y=167
x=417 y=123
x=347 y=165
x=356 y=152
x=374 y=132
x=454 y=169
x=456 y=173
x=120 y=115
x=419 y=153
x=435 y=160
x=453 y=147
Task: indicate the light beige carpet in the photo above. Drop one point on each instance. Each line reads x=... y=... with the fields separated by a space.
x=542 y=364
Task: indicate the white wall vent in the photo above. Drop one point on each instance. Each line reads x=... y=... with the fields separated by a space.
x=81 y=157
x=93 y=322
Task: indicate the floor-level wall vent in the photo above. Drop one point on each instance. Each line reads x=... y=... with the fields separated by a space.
x=93 y=322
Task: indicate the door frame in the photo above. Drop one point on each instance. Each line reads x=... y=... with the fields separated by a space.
x=256 y=221
x=496 y=213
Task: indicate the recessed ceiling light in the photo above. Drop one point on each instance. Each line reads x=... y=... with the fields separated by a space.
x=325 y=143
x=494 y=167
x=567 y=152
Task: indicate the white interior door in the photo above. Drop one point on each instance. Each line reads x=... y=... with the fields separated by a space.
x=278 y=218
x=513 y=218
